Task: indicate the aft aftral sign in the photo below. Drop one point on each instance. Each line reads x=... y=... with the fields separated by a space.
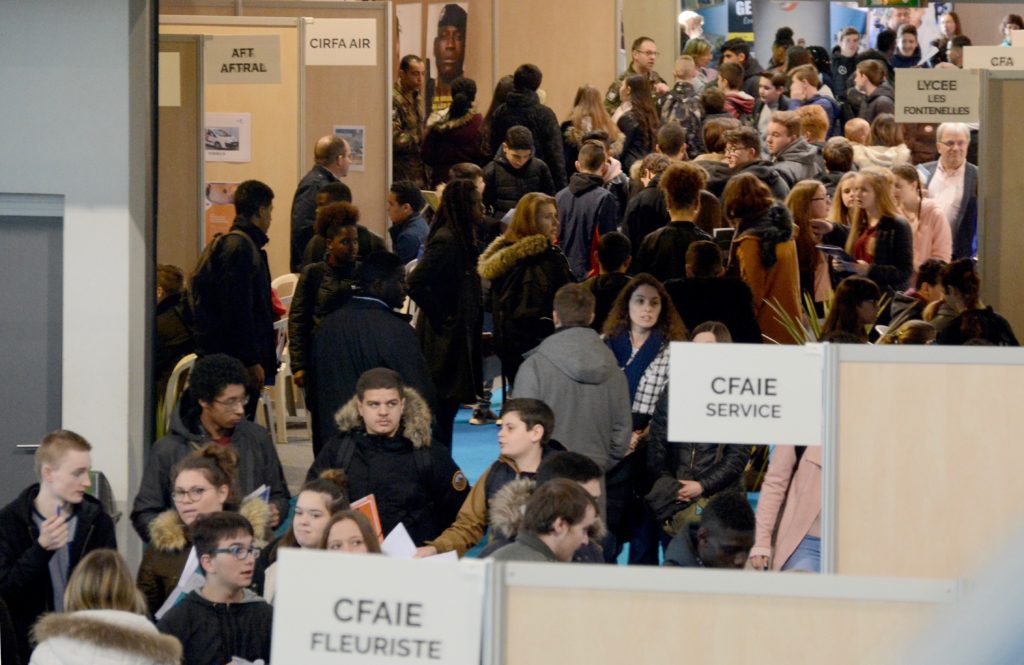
x=746 y=393
x=341 y=41
x=937 y=95
x=236 y=59
x=334 y=608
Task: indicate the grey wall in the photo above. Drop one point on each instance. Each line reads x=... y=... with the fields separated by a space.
x=74 y=122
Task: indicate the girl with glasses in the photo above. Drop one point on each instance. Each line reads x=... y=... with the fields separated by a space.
x=201 y=484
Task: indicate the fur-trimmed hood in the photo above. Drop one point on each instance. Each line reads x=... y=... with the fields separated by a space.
x=445 y=124
x=775 y=226
x=501 y=255
x=102 y=637
x=509 y=503
x=415 y=418
x=167 y=531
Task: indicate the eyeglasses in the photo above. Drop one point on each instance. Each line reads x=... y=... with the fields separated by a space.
x=194 y=494
x=954 y=144
x=234 y=402
x=239 y=552
x=822 y=198
x=734 y=149
x=649 y=53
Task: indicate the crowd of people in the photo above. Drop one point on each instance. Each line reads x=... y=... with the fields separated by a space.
x=735 y=203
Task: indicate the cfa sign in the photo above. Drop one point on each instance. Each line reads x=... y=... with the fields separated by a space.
x=993 y=57
x=937 y=95
x=746 y=393
x=333 y=607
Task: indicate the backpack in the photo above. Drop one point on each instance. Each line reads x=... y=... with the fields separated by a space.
x=203 y=279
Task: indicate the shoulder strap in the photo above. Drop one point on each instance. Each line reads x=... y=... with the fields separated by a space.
x=425 y=471
x=346 y=452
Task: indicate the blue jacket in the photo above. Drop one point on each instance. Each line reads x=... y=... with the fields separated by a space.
x=586 y=211
x=408 y=237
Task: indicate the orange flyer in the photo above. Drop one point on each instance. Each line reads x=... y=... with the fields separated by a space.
x=368 y=506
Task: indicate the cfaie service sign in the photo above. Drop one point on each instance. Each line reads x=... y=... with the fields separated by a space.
x=937 y=95
x=333 y=608
x=746 y=393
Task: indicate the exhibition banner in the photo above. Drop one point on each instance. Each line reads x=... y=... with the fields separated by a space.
x=937 y=95
x=333 y=607
x=746 y=393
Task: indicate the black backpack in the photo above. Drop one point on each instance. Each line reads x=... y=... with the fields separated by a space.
x=202 y=281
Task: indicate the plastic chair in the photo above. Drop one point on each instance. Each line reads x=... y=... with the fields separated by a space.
x=285 y=287
x=286 y=399
x=175 y=386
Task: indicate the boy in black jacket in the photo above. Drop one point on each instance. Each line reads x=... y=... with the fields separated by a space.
x=47 y=530
x=224 y=619
x=515 y=172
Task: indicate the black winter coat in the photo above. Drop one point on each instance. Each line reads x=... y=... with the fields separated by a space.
x=606 y=289
x=663 y=253
x=447 y=289
x=236 y=316
x=523 y=107
x=505 y=185
x=25 y=584
x=716 y=467
x=362 y=335
x=645 y=213
x=304 y=211
x=893 y=263
x=212 y=633
x=637 y=144
x=258 y=464
x=524 y=277
x=725 y=299
x=412 y=481
x=322 y=289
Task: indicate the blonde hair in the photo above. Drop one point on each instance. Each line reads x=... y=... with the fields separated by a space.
x=57 y=444
x=588 y=113
x=685 y=67
x=524 y=222
x=840 y=213
x=102 y=581
x=880 y=181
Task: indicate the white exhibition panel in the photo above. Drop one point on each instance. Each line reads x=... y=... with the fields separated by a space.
x=334 y=607
x=746 y=393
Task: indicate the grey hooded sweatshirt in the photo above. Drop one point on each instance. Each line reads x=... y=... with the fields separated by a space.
x=575 y=373
x=799 y=161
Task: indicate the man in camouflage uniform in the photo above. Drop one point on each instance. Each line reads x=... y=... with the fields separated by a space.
x=682 y=104
x=407 y=123
x=645 y=54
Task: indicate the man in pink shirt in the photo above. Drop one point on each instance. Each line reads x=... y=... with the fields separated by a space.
x=953 y=183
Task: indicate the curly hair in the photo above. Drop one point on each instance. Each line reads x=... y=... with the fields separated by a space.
x=669 y=324
x=333 y=217
x=212 y=374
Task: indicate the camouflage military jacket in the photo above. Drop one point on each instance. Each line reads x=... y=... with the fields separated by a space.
x=406 y=121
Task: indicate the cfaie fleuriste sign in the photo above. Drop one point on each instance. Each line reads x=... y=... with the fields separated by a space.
x=746 y=393
x=332 y=607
